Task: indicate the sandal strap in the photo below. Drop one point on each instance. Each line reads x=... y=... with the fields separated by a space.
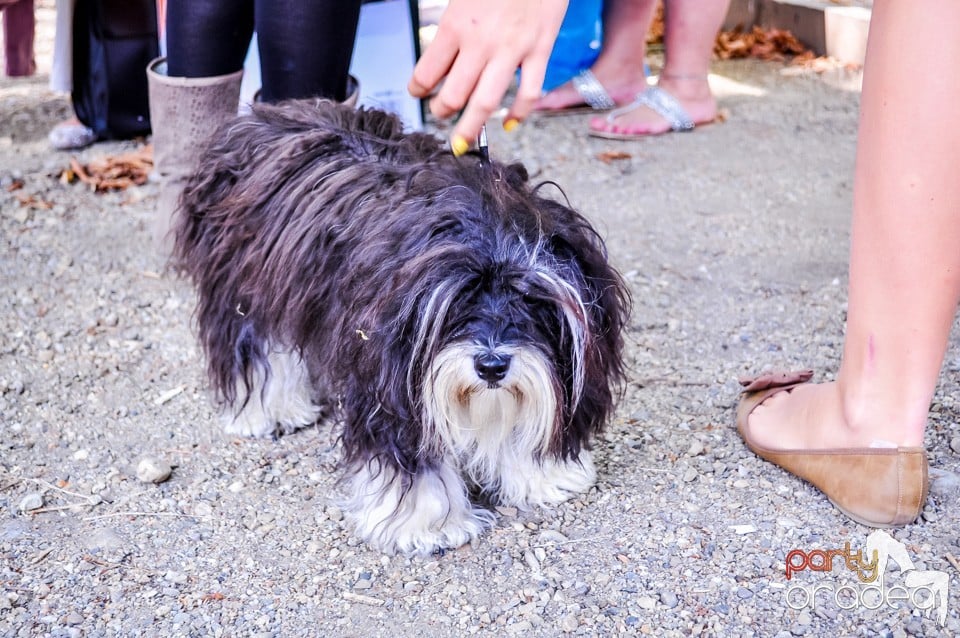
x=666 y=106
x=588 y=86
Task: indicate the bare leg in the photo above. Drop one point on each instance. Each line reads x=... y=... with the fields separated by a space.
x=691 y=29
x=904 y=260
x=619 y=67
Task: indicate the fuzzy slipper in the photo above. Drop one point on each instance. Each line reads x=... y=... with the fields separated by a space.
x=595 y=97
x=658 y=101
x=875 y=486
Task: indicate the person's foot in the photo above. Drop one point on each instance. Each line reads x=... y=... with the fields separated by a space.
x=621 y=84
x=71 y=135
x=867 y=473
x=812 y=417
x=693 y=95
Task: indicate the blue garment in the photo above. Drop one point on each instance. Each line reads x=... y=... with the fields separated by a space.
x=578 y=43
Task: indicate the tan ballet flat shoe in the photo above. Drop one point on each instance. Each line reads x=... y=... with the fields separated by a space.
x=877 y=487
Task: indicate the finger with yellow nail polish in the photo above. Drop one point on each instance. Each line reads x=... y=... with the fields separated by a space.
x=459 y=145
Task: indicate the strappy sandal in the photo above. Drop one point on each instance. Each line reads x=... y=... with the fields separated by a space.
x=658 y=101
x=876 y=487
x=595 y=97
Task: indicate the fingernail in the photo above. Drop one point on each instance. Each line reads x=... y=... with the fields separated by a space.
x=509 y=125
x=458 y=145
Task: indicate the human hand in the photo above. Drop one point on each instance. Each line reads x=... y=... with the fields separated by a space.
x=478 y=47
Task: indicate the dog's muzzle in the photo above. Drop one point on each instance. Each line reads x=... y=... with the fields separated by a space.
x=491 y=367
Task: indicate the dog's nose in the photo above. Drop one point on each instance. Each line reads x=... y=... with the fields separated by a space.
x=491 y=367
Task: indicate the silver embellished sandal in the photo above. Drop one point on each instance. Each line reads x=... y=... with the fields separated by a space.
x=595 y=97
x=655 y=99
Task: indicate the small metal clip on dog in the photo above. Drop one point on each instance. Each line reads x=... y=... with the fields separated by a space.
x=489 y=320
x=482 y=146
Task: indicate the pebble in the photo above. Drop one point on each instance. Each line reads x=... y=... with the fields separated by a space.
x=690 y=475
x=548 y=536
x=943 y=482
x=153 y=470
x=570 y=622
x=696 y=448
x=646 y=602
x=30 y=502
x=178 y=578
x=334 y=513
x=73 y=618
x=531 y=560
x=105 y=539
x=522 y=627
x=363 y=583
x=669 y=599
x=955 y=444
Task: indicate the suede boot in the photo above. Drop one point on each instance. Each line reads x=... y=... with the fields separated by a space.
x=184 y=112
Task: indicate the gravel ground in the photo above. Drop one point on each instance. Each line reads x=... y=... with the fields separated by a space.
x=733 y=240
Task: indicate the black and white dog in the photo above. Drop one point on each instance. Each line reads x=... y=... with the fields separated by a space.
x=465 y=329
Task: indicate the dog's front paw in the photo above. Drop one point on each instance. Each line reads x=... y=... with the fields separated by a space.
x=546 y=482
x=413 y=515
x=426 y=537
x=247 y=425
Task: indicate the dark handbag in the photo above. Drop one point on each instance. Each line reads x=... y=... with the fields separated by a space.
x=113 y=41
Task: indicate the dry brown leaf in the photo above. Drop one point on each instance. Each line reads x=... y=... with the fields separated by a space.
x=114 y=172
x=770 y=44
x=608 y=157
x=804 y=59
x=823 y=63
x=32 y=201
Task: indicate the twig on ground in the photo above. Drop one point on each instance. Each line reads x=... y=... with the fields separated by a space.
x=169 y=394
x=571 y=541
x=360 y=598
x=953 y=561
x=57 y=508
x=117 y=514
x=92 y=499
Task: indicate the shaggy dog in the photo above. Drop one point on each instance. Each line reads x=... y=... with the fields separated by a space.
x=464 y=328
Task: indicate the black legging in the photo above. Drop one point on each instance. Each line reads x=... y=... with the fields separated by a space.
x=305 y=45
